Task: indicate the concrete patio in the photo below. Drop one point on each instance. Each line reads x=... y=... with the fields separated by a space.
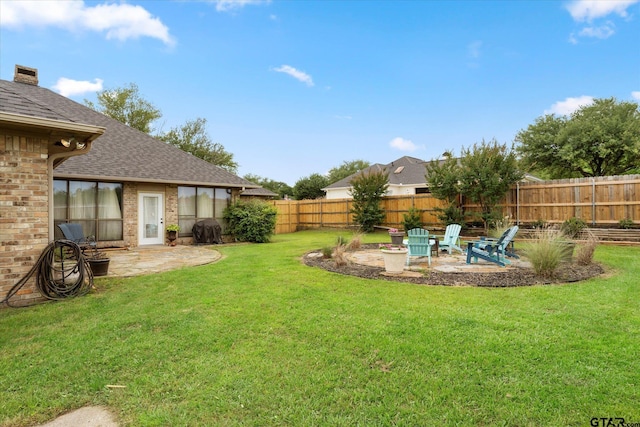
x=156 y=259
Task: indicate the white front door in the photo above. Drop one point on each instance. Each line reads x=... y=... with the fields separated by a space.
x=150 y=221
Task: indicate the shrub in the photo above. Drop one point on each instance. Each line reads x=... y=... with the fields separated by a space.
x=584 y=253
x=339 y=255
x=341 y=240
x=367 y=191
x=546 y=252
x=251 y=221
x=412 y=219
x=327 y=251
x=452 y=214
x=355 y=242
x=500 y=226
x=572 y=227
x=625 y=223
x=540 y=223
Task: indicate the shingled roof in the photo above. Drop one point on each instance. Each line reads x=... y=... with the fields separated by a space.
x=121 y=153
x=258 y=192
x=405 y=170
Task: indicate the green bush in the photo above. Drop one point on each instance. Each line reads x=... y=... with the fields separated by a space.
x=540 y=223
x=251 y=221
x=367 y=191
x=572 y=227
x=452 y=214
x=327 y=251
x=412 y=219
x=625 y=223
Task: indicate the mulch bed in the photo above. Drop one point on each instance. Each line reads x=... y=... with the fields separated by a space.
x=510 y=277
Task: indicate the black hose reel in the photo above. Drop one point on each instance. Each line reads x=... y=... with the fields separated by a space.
x=62 y=271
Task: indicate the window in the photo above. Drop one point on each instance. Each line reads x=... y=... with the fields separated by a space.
x=198 y=203
x=423 y=190
x=97 y=206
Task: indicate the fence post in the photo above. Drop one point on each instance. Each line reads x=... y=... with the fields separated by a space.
x=593 y=201
x=518 y=203
x=347 y=201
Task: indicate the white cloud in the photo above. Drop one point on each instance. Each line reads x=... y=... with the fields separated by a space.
x=296 y=74
x=600 y=32
x=402 y=144
x=227 y=5
x=588 y=10
x=636 y=95
x=67 y=87
x=591 y=10
x=573 y=39
x=569 y=105
x=119 y=21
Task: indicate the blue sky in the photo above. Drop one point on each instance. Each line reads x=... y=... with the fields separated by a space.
x=296 y=87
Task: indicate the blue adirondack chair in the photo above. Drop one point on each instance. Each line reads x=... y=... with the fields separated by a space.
x=491 y=250
x=451 y=239
x=507 y=243
x=419 y=244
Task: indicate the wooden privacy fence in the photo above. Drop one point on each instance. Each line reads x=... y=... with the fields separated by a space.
x=296 y=215
x=600 y=202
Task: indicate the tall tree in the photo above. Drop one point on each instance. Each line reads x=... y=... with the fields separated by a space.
x=596 y=140
x=281 y=188
x=310 y=187
x=367 y=190
x=193 y=138
x=487 y=171
x=347 y=168
x=443 y=179
x=126 y=105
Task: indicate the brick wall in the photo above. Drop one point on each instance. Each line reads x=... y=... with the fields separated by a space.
x=24 y=211
x=130 y=213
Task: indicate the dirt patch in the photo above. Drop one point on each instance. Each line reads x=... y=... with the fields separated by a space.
x=510 y=277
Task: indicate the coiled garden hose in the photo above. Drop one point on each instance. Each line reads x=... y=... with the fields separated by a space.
x=61 y=272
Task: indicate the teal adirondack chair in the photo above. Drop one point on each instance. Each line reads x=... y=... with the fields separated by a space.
x=490 y=249
x=451 y=239
x=506 y=252
x=419 y=244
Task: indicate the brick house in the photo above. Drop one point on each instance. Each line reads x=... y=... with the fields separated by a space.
x=63 y=162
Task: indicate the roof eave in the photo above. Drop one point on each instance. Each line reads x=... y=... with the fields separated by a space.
x=51 y=124
x=150 y=180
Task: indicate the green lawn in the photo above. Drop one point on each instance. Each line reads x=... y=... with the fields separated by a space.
x=260 y=339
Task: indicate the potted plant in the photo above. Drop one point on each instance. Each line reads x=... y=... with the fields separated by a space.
x=172 y=233
x=396 y=236
x=98 y=261
x=394 y=256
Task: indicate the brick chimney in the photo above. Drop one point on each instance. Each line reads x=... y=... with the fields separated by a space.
x=26 y=75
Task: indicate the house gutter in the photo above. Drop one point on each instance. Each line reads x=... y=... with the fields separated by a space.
x=50 y=124
x=121 y=178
